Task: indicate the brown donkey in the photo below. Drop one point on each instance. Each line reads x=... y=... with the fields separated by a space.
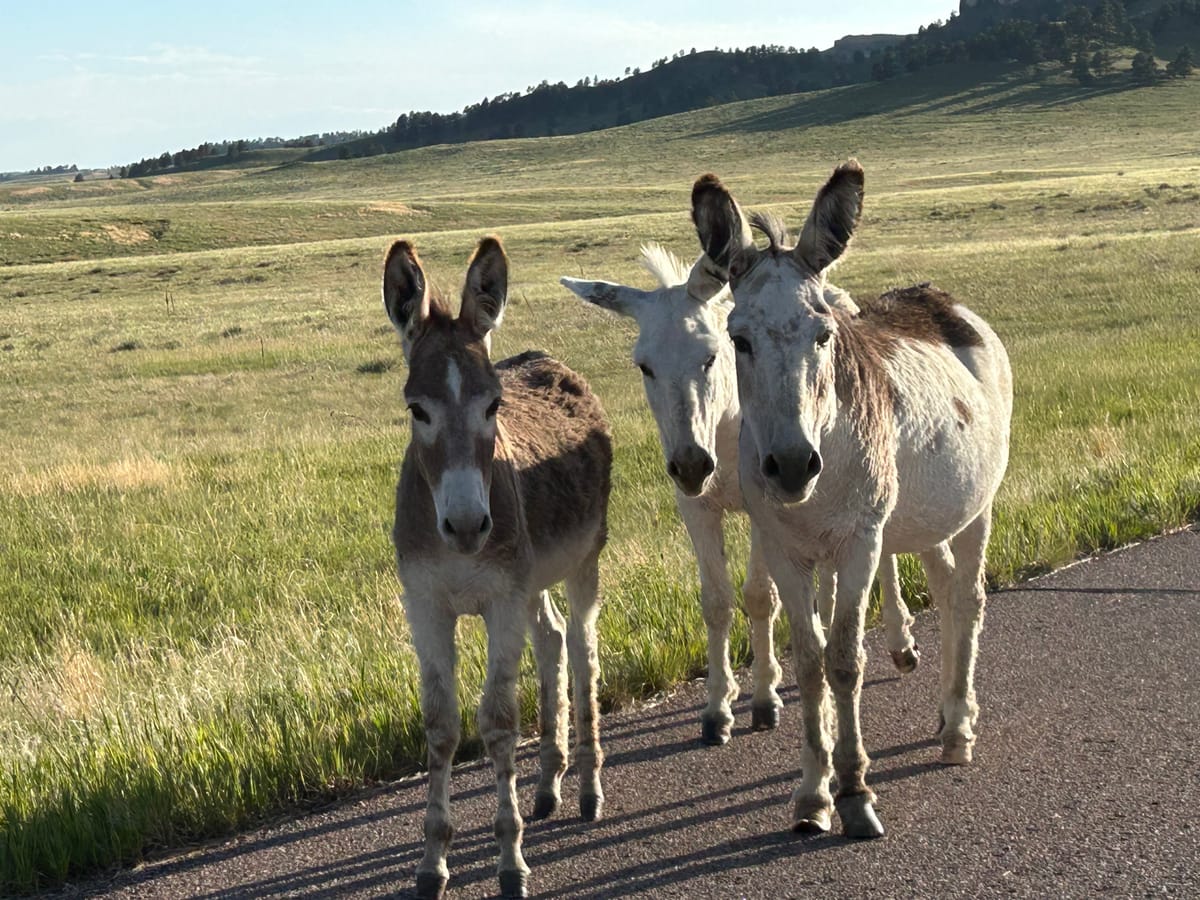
x=503 y=492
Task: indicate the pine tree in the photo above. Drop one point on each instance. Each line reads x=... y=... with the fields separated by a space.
x=1102 y=62
x=1181 y=66
x=1144 y=68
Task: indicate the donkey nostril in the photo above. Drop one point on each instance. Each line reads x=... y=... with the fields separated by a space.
x=672 y=469
x=486 y=524
x=708 y=465
x=814 y=464
x=770 y=467
x=447 y=527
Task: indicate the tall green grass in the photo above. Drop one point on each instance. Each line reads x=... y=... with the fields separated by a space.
x=202 y=428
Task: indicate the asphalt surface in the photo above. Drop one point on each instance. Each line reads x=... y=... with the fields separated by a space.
x=1086 y=779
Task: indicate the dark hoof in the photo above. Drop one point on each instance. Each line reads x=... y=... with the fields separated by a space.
x=906 y=660
x=431 y=886
x=858 y=818
x=544 y=806
x=591 y=807
x=714 y=732
x=514 y=884
x=764 y=717
x=815 y=822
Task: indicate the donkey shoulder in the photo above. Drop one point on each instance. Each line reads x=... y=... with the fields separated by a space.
x=558 y=441
x=543 y=399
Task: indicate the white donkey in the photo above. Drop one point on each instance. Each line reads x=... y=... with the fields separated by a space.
x=503 y=492
x=863 y=436
x=686 y=359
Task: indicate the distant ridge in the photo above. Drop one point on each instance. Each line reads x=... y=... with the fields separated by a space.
x=1016 y=32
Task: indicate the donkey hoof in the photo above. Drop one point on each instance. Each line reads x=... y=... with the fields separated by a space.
x=715 y=732
x=544 y=806
x=431 y=886
x=906 y=660
x=815 y=822
x=810 y=815
x=858 y=817
x=591 y=807
x=764 y=716
x=514 y=883
x=956 y=753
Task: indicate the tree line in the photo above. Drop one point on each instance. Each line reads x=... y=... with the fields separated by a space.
x=1081 y=35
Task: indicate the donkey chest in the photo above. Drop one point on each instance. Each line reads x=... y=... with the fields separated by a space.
x=465 y=585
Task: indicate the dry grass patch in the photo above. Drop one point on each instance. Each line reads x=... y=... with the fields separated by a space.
x=120 y=476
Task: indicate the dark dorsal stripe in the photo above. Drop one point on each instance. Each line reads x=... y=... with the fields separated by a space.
x=920 y=312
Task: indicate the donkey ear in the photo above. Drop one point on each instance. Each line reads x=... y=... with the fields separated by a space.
x=614 y=297
x=702 y=284
x=720 y=224
x=835 y=214
x=485 y=294
x=405 y=291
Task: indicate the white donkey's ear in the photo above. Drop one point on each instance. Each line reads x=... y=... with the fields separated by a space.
x=703 y=284
x=485 y=293
x=834 y=216
x=614 y=297
x=721 y=226
x=405 y=292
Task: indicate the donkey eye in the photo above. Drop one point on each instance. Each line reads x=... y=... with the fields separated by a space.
x=646 y=370
x=823 y=338
x=492 y=409
x=741 y=345
x=708 y=363
x=418 y=413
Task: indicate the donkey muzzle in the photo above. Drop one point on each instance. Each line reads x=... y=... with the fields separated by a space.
x=689 y=468
x=792 y=473
x=466 y=533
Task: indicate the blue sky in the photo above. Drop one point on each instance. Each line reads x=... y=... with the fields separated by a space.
x=101 y=84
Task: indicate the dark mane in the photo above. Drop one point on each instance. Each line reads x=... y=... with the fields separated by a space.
x=438 y=306
x=773 y=228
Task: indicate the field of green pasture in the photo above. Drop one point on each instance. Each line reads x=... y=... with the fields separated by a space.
x=203 y=421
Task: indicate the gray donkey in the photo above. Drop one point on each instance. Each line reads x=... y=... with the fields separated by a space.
x=503 y=492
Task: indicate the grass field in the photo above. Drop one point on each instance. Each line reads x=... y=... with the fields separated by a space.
x=202 y=420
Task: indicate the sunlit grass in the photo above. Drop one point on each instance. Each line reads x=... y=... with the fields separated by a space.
x=202 y=430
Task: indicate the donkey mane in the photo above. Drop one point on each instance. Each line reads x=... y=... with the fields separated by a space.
x=773 y=228
x=664 y=265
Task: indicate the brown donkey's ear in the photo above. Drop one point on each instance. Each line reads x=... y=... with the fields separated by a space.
x=486 y=291
x=723 y=230
x=835 y=214
x=405 y=291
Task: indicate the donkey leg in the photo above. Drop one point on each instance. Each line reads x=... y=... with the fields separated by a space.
x=844 y=659
x=583 y=595
x=716 y=604
x=897 y=621
x=939 y=572
x=812 y=803
x=959 y=708
x=826 y=594
x=549 y=633
x=433 y=638
x=498 y=726
x=762 y=605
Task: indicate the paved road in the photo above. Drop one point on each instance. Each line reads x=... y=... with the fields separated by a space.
x=1086 y=779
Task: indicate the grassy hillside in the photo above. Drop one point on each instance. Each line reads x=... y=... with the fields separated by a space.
x=203 y=419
